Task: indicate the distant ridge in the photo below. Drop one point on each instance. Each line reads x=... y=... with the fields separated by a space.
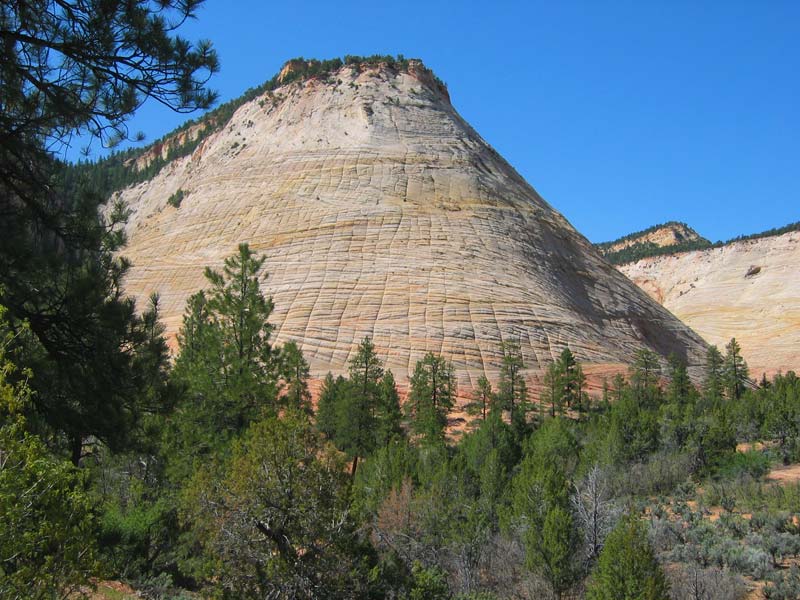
x=747 y=288
x=645 y=243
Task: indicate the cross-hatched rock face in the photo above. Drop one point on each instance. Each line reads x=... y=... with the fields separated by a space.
x=382 y=213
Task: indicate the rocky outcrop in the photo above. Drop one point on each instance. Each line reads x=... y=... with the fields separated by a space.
x=749 y=290
x=669 y=234
x=162 y=149
x=382 y=213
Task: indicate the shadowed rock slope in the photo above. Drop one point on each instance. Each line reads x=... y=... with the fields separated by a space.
x=384 y=214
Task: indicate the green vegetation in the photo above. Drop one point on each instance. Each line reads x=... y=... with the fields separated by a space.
x=637 y=234
x=237 y=489
x=431 y=398
x=768 y=233
x=212 y=476
x=175 y=199
x=627 y=569
x=640 y=250
x=99 y=366
x=47 y=529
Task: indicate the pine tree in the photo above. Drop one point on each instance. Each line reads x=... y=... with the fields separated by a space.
x=81 y=67
x=553 y=392
x=512 y=392
x=618 y=386
x=581 y=397
x=680 y=387
x=358 y=404
x=366 y=371
x=226 y=363
x=735 y=373
x=355 y=423
x=483 y=399
x=295 y=373
x=712 y=386
x=627 y=568
x=644 y=378
x=568 y=377
x=388 y=415
x=326 y=405
x=510 y=376
x=431 y=397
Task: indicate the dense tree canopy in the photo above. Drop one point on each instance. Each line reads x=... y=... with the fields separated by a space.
x=47 y=529
x=72 y=68
x=277 y=523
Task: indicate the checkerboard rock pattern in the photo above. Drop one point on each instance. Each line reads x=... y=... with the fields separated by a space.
x=382 y=213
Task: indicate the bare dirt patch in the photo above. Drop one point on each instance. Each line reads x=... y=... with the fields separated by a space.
x=785 y=474
x=110 y=590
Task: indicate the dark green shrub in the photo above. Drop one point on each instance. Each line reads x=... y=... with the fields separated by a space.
x=733 y=466
x=176 y=198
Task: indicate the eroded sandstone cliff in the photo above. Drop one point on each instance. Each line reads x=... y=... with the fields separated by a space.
x=384 y=214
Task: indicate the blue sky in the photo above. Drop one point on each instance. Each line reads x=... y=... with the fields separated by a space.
x=620 y=114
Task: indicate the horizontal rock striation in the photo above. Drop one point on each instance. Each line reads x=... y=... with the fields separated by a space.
x=382 y=213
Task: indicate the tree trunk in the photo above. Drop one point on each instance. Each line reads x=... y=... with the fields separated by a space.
x=76 y=449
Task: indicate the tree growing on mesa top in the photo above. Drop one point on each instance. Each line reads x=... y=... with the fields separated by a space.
x=431 y=398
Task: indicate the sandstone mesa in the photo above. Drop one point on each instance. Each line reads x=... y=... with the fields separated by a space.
x=382 y=213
